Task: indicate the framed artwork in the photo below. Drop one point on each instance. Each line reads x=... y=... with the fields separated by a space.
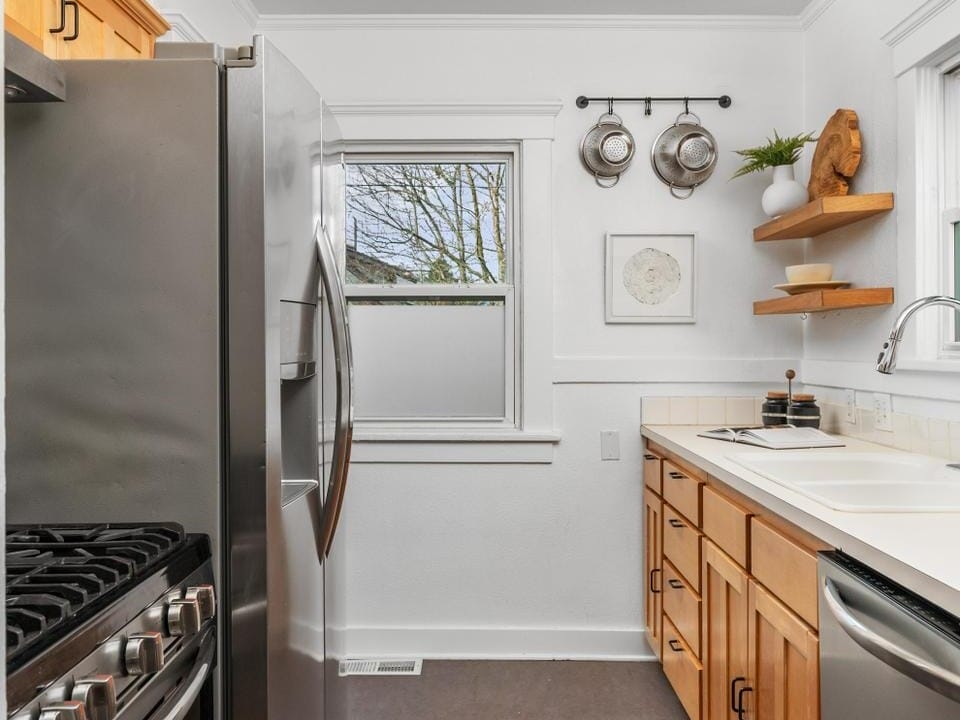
x=651 y=278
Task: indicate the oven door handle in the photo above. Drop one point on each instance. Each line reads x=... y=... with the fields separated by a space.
x=177 y=707
x=939 y=679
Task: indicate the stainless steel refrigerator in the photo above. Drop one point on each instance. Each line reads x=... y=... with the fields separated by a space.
x=177 y=344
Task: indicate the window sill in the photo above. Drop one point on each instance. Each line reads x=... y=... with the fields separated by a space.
x=461 y=446
x=945 y=365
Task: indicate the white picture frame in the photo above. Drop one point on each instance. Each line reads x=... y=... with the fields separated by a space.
x=650 y=278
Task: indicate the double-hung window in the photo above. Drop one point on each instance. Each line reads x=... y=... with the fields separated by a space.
x=949 y=253
x=431 y=283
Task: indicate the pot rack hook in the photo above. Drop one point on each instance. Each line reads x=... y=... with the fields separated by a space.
x=686 y=106
x=648 y=106
x=609 y=106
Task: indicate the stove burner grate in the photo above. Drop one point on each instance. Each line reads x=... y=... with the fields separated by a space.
x=58 y=575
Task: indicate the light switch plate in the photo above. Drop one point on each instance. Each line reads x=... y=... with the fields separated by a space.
x=609 y=445
x=882 y=412
x=850 y=400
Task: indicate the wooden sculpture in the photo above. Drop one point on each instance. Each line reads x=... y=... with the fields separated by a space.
x=837 y=156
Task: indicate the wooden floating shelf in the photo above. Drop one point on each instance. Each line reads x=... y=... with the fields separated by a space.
x=825 y=300
x=823 y=215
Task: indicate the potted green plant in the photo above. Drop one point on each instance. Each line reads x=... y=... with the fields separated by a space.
x=780 y=153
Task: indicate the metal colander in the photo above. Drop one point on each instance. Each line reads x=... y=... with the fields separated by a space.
x=607 y=149
x=684 y=155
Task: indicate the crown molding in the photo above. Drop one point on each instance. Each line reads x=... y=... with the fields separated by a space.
x=813 y=11
x=914 y=21
x=774 y=23
x=546 y=108
x=249 y=12
x=182 y=28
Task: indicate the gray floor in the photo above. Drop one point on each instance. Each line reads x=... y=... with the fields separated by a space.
x=533 y=690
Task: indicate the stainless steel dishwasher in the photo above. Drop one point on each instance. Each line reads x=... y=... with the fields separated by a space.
x=885 y=652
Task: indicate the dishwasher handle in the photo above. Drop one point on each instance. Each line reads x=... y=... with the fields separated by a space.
x=939 y=679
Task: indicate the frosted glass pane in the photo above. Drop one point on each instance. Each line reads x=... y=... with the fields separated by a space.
x=429 y=360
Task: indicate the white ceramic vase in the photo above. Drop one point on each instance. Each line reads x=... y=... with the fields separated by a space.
x=784 y=194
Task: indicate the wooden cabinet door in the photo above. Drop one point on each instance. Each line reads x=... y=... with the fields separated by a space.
x=653 y=569
x=725 y=614
x=31 y=21
x=784 y=662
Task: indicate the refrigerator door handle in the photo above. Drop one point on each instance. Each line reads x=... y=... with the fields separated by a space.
x=343 y=354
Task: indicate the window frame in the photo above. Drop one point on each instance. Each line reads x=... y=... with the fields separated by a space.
x=508 y=292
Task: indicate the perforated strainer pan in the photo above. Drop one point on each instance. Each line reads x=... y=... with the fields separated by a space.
x=684 y=155
x=607 y=149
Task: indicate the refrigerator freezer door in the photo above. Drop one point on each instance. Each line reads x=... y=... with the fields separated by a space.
x=274 y=178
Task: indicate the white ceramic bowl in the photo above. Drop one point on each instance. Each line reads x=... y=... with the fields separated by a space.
x=810 y=273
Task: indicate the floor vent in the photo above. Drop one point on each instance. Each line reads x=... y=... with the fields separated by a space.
x=380 y=667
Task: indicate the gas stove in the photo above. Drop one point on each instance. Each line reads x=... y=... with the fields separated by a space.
x=106 y=621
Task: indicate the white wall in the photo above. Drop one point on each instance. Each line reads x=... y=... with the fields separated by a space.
x=225 y=22
x=847 y=64
x=513 y=560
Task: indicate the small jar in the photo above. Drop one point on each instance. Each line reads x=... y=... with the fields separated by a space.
x=774 y=411
x=804 y=411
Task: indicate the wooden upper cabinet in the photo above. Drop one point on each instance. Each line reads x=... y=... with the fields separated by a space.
x=784 y=662
x=725 y=615
x=91 y=29
x=653 y=568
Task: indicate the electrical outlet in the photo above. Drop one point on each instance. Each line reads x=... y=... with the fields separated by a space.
x=882 y=412
x=609 y=445
x=850 y=399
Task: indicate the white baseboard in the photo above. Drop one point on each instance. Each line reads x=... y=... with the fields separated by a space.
x=614 y=644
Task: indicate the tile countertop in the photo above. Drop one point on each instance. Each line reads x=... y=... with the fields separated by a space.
x=919 y=550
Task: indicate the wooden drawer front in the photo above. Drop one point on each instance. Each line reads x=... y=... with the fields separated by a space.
x=681 y=545
x=786 y=569
x=682 y=490
x=682 y=669
x=727 y=525
x=683 y=606
x=652 y=467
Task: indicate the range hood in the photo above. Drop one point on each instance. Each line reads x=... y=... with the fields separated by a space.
x=30 y=76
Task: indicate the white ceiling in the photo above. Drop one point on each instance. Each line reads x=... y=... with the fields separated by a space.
x=534 y=7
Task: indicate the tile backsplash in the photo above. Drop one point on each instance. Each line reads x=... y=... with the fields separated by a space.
x=914 y=433
x=701 y=410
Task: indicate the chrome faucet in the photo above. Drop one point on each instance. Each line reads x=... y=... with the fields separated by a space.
x=887 y=362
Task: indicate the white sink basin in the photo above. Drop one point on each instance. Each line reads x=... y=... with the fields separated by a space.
x=861 y=482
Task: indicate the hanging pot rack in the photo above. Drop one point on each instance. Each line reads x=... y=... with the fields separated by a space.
x=723 y=101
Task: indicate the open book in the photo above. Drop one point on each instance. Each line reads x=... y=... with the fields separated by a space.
x=777 y=438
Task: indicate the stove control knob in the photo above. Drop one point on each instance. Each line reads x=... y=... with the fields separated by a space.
x=205 y=598
x=66 y=710
x=98 y=695
x=143 y=653
x=183 y=617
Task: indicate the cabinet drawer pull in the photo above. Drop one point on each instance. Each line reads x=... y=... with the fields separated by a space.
x=740 y=709
x=63 y=19
x=675 y=584
x=649 y=457
x=677 y=647
x=733 y=692
x=653 y=588
x=676 y=523
x=76 y=20
x=676 y=475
